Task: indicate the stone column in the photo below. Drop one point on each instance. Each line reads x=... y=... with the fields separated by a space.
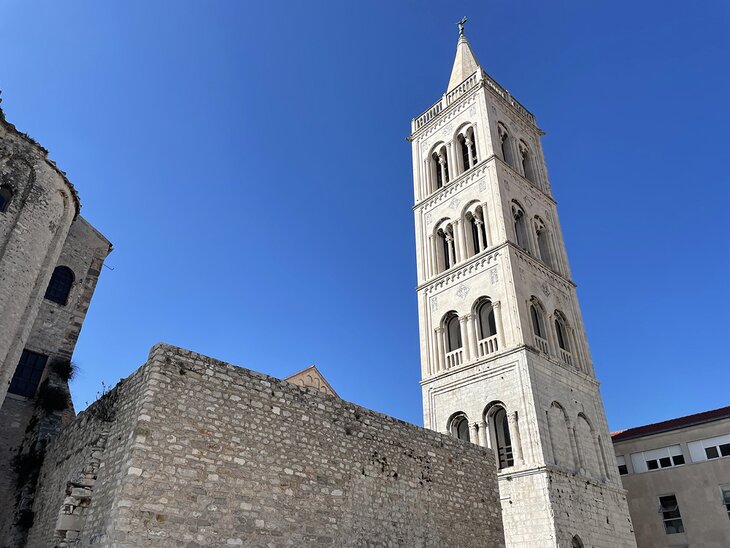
x=514 y=430
x=480 y=235
x=450 y=161
x=465 y=338
x=461 y=237
x=483 y=438
x=456 y=227
x=473 y=336
x=501 y=339
x=474 y=433
x=472 y=161
x=450 y=249
x=442 y=167
x=485 y=219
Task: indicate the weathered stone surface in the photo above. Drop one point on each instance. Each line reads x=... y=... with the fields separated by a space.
x=203 y=453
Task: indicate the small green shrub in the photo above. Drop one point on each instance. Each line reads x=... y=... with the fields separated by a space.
x=65 y=369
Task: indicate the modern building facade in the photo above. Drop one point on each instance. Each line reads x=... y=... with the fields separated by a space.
x=504 y=357
x=677 y=474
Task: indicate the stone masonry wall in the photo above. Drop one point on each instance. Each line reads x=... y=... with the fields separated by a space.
x=209 y=454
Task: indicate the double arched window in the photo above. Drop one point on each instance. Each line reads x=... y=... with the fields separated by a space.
x=6 y=195
x=467 y=148
x=60 y=285
x=477 y=230
x=446 y=246
x=439 y=167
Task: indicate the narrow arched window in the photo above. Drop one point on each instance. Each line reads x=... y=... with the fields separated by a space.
x=460 y=428
x=518 y=217
x=527 y=161
x=464 y=148
x=438 y=171
x=576 y=542
x=502 y=438
x=453 y=333
x=6 y=195
x=536 y=327
x=487 y=325
x=561 y=334
x=543 y=241
x=505 y=145
x=60 y=285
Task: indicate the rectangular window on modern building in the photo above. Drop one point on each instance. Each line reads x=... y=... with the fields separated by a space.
x=710 y=448
x=656 y=459
x=669 y=509
x=28 y=374
x=622 y=468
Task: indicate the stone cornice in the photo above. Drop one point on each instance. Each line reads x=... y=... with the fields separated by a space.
x=542 y=268
x=474 y=264
x=477 y=363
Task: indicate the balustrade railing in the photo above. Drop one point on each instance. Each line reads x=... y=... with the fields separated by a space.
x=506 y=457
x=542 y=344
x=566 y=357
x=470 y=82
x=488 y=345
x=454 y=358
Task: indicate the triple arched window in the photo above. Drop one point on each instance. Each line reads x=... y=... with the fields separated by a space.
x=6 y=195
x=60 y=285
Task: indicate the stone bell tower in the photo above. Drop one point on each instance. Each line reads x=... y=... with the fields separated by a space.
x=504 y=357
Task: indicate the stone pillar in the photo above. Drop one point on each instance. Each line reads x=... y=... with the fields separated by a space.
x=463 y=325
x=480 y=235
x=472 y=161
x=501 y=339
x=485 y=220
x=474 y=433
x=442 y=167
x=514 y=429
x=473 y=335
x=450 y=249
x=461 y=238
x=431 y=259
x=483 y=434
x=450 y=161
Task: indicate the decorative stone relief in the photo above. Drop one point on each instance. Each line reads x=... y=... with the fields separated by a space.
x=473 y=111
x=434 y=302
x=428 y=218
x=454 y=203
x=493 y=276
x=528 y=201
x=462 y=292
x=447 y=129
x=545 y=289
x=483 y=184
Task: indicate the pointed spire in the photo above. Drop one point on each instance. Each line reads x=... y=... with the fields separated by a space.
x=465 y=63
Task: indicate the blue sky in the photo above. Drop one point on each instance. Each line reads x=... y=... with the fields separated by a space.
x=248 y=161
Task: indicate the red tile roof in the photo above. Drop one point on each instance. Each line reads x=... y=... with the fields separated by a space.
x=671 y=424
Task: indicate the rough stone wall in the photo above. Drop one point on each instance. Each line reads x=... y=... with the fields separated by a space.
x=92 y=453
x=32 y=232
x=14 y=417
x=56 y=328
x=209 y=454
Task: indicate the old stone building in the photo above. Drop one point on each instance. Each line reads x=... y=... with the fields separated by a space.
x=50 y=261
x=504 y=357
x=677 y=474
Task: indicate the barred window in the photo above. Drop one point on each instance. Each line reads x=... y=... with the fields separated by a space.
x=28 y=374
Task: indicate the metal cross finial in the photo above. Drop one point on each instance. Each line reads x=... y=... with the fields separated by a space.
x=461 y=25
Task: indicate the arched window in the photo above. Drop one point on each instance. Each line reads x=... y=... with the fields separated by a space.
x=502 y=441
x=543 y=241
x=467 y=148
x=576 y=542
x=562 y=336
x=453 y=332
x=446 y=249
x=527 y=161
x=60 y=285
x=440 y=167
x=475 y=220
x=505 y=145
x=518 y=217
x=6 y=194
x=538 y=326
x=487 y=325
x=460 y=427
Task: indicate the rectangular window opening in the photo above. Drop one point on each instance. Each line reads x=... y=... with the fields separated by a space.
x=669 y=509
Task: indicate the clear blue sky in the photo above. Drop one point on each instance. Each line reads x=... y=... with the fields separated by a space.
x=248 y=161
